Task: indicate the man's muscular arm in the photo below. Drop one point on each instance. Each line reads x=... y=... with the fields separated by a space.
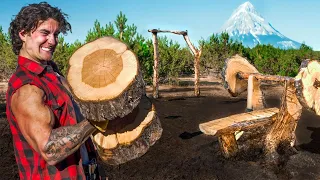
x=36 y=120
x=64 y=141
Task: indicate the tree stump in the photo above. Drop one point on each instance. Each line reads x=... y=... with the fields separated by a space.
x=129 y=137
x=105 y=79
x=281 y=134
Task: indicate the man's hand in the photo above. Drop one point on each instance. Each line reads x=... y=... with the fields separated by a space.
x=101 y=126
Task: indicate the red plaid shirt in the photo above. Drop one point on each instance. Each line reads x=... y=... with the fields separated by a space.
x=30 y=163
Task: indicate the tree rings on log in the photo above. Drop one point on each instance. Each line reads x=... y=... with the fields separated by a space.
x=105 y=79
x=129 y=137
x=307 y=84
x=232 y=67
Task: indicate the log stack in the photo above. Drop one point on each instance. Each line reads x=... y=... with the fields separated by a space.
x=106 y=81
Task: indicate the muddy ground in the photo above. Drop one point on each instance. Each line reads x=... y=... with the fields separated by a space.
x=184 y=153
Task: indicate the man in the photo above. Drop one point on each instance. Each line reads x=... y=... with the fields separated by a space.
x=47 y=128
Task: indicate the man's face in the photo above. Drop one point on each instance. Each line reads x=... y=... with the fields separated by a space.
x=39 y=44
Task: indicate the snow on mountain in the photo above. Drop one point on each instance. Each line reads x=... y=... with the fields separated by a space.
x=249 y=27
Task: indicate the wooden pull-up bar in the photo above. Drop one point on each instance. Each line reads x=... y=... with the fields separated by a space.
x=196 y=52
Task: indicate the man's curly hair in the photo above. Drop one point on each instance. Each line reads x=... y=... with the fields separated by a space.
x=28 y=20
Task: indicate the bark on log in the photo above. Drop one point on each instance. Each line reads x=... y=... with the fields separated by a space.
x=197 y=74
x=232 y=67
x=131 y=136
x=307 y=85
x=281 y=134
x=228 y=145
x=105 y=79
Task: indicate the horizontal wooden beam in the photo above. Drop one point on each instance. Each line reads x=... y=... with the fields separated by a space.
x=184 y=33
x=263 y=77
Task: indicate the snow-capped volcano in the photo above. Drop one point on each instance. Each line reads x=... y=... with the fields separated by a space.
x=249 y=27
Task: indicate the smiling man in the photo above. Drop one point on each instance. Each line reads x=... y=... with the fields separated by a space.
x=50 y=135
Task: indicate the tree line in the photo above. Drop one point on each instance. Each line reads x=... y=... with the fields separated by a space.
x=175 y=60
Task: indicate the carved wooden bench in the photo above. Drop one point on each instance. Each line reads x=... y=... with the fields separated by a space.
x=239 y=75
x=226 y=127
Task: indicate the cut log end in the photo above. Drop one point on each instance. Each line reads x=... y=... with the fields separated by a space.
x=116 y=108
x=99 y=71
x=99 y=68
x=233 y=66
x=307 y=86
x=105 y=79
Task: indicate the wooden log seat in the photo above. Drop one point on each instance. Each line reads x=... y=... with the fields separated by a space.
x=226 y=127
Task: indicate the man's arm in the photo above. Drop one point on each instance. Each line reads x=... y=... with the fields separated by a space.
x=36 y=120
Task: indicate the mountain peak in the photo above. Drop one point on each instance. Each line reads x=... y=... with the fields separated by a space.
x=246 y=7
x=245 y=19
x=246 y=24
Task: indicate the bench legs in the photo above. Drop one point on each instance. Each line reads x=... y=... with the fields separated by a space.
x=228 y=145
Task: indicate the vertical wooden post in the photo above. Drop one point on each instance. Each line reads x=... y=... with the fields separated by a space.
x=197 y=74
x=197 y=54
x=155 y=66
x=255 y=98
x=258 y=100
x=250 y=92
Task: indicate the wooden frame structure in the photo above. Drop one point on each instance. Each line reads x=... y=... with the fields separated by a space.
x=196 y=52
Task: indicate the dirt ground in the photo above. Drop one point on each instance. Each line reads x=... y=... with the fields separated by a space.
x=184 y=153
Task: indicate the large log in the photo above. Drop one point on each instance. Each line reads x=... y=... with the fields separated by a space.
x=105 y=79
x=307 y=85
x=131 y=136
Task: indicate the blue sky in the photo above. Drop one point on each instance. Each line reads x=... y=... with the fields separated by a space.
x=298 y=20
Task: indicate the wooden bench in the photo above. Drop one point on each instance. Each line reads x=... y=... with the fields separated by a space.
x=226 y=127
x=240 y=75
